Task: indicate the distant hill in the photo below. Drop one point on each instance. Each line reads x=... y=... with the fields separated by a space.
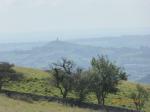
x=41 y=57
x=136 y=61
x=130 y=41
x=145 y=79
x=19 y=46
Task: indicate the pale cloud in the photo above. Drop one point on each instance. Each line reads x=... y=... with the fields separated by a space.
x=7 y=3
x=38 y=3
x=29 y=3
x=48 y=15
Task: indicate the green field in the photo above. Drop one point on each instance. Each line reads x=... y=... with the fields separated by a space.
x=35 y=83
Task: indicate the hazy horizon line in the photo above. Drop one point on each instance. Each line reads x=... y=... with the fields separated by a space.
x=47 y=39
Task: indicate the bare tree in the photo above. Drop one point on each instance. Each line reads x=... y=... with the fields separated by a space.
x=63 y=73
x=140 y=96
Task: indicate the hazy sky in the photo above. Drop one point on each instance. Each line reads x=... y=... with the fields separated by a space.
x=30 y=17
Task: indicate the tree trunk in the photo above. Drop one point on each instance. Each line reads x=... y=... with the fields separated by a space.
x=65 y=94
x=103 y=100
x=81 y=96
x=98 y=99
x=0 y=87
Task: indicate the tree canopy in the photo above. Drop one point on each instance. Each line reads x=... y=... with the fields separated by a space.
x=105 y=77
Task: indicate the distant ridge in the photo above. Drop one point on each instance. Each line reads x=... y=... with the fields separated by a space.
x=131 y=41
x=135 y=60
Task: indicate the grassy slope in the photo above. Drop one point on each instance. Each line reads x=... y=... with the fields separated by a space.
x=32 y=73
x=11 y=105
x=42 y=87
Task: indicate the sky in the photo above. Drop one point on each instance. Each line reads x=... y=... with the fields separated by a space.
x=36 y=20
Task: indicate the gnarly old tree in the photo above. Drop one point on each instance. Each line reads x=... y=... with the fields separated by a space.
x=63 y=73
x=105 y=77
x=8 y=74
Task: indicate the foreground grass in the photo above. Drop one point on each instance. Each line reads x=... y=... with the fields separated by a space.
x=36 y=84
x=12 y=105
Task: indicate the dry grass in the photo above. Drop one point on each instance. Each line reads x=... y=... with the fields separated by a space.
x=11 y=105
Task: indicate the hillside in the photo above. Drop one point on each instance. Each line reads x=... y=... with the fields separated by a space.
x=12 y=105
x=39 y=86
x=135 y=60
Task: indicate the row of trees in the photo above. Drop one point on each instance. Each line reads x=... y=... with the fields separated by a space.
x=101 y=78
